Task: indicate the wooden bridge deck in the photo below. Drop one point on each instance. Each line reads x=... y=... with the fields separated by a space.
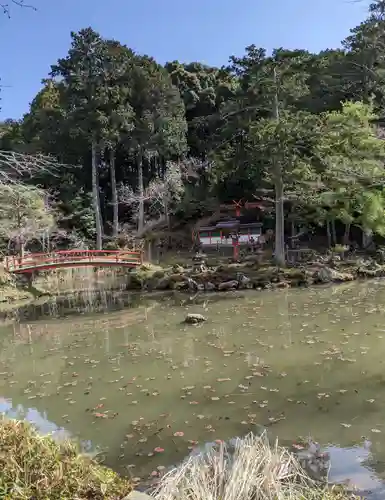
x=72 y=258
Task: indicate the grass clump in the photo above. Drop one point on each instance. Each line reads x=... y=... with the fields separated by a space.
x=251 y=470
x=34 y=467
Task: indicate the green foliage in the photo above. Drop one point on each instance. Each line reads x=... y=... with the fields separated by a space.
x=32 y=466
x=291 y=120
x=24 y=214
x=350 y=165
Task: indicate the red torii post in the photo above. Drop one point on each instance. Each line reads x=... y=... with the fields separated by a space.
x=237 y=206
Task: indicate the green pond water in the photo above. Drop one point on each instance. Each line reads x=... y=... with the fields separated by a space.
x=125 y=376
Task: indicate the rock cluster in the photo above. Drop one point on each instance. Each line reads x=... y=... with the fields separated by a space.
x=251 y=276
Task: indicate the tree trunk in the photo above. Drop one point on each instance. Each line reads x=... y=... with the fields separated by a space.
x=280 y=258
x=141 y=193
x=95 y=197
x=347 y=234
x=367 y=238
x=114 y=196
x=334 y=232
x=279 y=222
x=329 y=234
x=22 y=251
x=149 y=251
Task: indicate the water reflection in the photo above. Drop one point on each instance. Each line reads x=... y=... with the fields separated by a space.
x=32 y=415
x=132 y=378
x=355 y=467
x=42 y=424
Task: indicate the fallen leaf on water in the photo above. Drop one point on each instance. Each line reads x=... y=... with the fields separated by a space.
x=376 y=431
x=179 y=434
x=158 y=449
x=215 y=398
x=346 y=425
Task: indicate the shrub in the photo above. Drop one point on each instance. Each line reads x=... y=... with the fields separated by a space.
x=250 y=469
x=34 y=467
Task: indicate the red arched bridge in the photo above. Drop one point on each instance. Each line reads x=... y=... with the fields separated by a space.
x=72 y=258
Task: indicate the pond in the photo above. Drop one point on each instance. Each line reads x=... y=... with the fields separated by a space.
x=136 y=384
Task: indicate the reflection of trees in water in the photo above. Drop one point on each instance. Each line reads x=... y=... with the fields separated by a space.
x=41 y=422
x=86 y=279
x=84 y=301
x=189 y=352
x=376 y=460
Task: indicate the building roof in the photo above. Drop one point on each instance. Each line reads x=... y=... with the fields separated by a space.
x=230 y=224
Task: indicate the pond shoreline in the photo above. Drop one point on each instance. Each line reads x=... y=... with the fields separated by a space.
x=151 y=280
x=121 y=348
x=68 y=473
x=251 y=275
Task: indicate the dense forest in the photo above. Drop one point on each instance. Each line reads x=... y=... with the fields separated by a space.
x=120 y=142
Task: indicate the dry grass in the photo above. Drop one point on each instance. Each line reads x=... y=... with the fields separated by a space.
x=33 y=467
x=252 y=470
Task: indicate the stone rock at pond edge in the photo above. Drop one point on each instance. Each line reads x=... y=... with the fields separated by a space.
x=187 y=284
x=177 y=278
x=193 y=319
x=282 y=284
x=328 y=275
x=243 y=281
x=137 y=495
x=163 y=283
x=209 y=287
x=315 y=462
x=228 y=285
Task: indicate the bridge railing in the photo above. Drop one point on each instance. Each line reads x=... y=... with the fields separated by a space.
x=61 y=257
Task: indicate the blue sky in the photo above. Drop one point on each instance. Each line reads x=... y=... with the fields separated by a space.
x=204 y=30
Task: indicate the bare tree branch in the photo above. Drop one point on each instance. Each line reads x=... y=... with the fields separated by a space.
x=6 y=7
x=159 y=196
x=14 y=166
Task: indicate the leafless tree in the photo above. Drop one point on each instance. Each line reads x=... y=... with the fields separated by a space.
x=25 y=215
x=159 y=195
x=14 y=166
